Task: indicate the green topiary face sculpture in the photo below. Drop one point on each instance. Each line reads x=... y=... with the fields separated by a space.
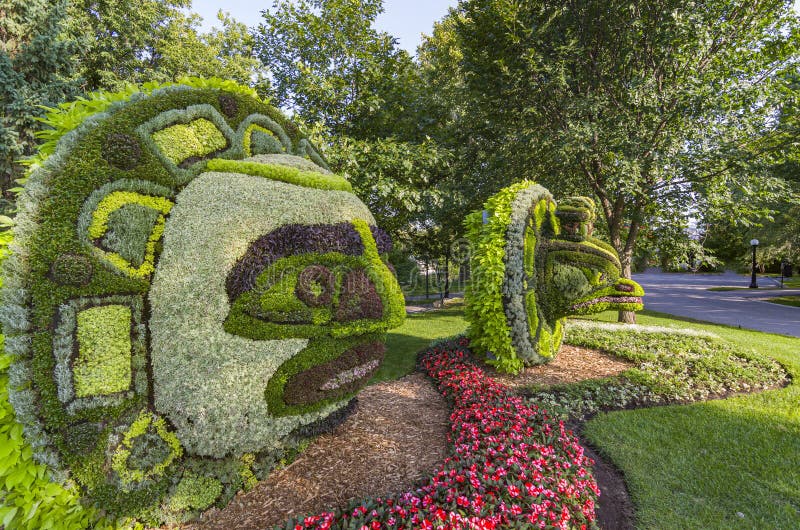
x=191 y=292
x=534 y=264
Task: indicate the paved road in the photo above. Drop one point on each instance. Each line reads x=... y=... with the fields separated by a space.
x=687 y=295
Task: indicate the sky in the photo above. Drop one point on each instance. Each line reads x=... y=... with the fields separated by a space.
x=404 y=19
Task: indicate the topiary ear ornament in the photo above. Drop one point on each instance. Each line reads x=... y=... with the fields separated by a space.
x=533 y=264
x=192 y=292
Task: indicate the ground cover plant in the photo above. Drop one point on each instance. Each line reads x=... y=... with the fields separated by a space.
x=533 y=264
x=792 y=301
x=191 y=293
x=670 y=366
x=731 y=463
x=512 y=465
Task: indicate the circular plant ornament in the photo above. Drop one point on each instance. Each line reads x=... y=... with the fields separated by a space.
x=180 y=310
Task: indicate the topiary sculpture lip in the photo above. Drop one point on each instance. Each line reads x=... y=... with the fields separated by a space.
x=624 y=295
x=616 y=302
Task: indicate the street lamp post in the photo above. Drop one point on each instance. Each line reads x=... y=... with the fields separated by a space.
x=753 y=282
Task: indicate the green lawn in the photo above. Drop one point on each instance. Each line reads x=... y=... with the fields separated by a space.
x=793 y=301
x=731 y=463
x=414 y=335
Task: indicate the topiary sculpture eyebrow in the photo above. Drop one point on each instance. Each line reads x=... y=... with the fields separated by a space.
x=191 y=293
x=533 y=264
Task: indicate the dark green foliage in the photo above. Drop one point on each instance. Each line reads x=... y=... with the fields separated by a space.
x=629 y=105
x=122 y=151
x=35 y=66
x=72 y=269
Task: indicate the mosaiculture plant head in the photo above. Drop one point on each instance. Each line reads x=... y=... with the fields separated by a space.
x=191 y=292
x=534 y=263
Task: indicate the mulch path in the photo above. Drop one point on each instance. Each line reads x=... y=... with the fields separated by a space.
x=395 y=438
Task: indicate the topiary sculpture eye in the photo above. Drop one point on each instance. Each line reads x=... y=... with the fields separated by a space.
x=315 y=286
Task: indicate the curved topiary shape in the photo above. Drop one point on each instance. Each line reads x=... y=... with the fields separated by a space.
x=191 y=291
x=533 y=264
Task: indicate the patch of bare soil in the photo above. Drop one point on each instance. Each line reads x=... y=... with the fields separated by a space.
x=572 y=364
x=396 y=437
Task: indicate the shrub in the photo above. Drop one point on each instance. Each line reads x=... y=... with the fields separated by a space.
x=532 y=265
x=163 y=344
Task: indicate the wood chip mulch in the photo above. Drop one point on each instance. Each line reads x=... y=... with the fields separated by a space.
x=396 y=437
x=573 y=363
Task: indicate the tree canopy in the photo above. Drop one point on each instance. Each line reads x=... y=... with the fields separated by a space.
x=656 y=108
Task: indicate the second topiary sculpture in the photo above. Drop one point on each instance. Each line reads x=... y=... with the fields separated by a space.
x=533 y=264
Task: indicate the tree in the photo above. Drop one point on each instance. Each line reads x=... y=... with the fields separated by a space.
x=228 y=53
x=640 y=103
x=135 y=41
x=330 y=66
x=35 y=67
x=119 y=38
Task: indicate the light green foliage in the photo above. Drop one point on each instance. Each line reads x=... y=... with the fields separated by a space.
x=394 y=310
x=103 y=365
x=488 y=330
x=226 y=414
x=23 y=479
x=260 y=141
x=668 y=365
x=195 y=493
x=139 y=236
x=290 y=175
x=287 y=160
x=197 y=138
x=114 y=201
x=146 y=423
x=66 y=117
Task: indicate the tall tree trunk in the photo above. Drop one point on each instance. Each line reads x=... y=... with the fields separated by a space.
x=627 y=317
x=626 y=258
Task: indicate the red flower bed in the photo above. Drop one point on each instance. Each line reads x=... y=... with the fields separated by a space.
x=512 y=466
